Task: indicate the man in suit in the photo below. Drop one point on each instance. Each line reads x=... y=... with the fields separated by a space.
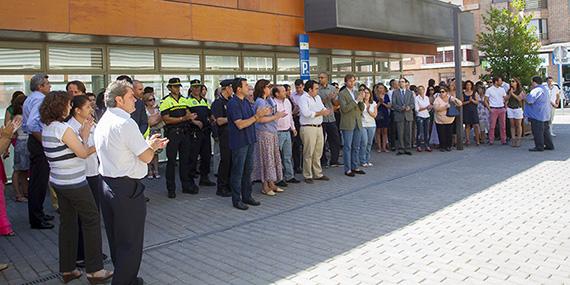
x=351 y=107
x=403 y=104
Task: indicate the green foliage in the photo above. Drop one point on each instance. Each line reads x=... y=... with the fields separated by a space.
x=510 y=45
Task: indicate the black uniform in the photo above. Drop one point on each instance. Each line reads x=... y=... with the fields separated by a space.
x=219 y=110
x=200 y=140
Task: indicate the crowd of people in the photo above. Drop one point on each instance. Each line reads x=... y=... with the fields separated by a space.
x=92 y=151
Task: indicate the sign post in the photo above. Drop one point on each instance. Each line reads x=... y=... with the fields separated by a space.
x=304 y=57
x=560 y=57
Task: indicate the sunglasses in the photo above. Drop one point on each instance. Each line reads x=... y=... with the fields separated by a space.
x=151 y=99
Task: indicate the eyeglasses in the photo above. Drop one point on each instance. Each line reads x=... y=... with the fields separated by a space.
x=442 y=91
x=151 y=99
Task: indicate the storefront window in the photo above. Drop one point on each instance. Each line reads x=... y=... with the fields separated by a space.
x=93 y=83
x=364 y=65
x=382 y=65
x=288 y=64
x=20 y=58
x=180 y=61
x=287 y=79
x=395 y=65
x=129 y=59
x=254 y=63
x=222 y=62
x=75 y=58
x=367 y=80
x=212 y=82
x=341 y=64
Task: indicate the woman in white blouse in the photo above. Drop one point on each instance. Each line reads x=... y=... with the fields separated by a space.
x=423 y=107
x=369 y=126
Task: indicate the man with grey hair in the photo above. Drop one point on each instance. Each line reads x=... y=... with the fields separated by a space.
x=123 y=154
x=39 y=167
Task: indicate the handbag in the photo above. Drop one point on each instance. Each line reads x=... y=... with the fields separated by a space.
x=452 y=111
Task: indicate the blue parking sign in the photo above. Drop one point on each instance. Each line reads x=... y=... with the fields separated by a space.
x=304 y=57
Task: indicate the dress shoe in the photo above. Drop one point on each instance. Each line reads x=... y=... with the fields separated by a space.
x=268 y=193
x=548 y=148
x=323 y=178
x=282 y=183
x=252 y=202
x=349 y=173
x=358 y=171
x=75 y=274
x=293 y=180
x=309 y=181
x=171 y=195
x=408 y=152
x=240 y=205
x=448 y=149
x=48 y=217
x=193 y=190
x=535 y=149
x=399 y=153
x=147 y=199
x=207 y=182
x=140 y=281
x=338 y=164
x=102 y=279
x=224 y=193
x=42 y=226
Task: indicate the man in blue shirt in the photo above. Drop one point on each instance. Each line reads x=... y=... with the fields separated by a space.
x=241 y=130
x=39 y=167
x=537 y=110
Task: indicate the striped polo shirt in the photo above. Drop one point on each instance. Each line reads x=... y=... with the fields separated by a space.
x=66 y=169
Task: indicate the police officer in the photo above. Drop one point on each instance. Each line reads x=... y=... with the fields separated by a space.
x=200 y=133
x=177 y=117
x=219 y=110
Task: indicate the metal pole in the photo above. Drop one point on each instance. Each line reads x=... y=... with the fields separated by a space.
x=458 y=80
x=561 y=84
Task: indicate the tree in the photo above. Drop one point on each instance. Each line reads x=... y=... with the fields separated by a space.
x=509 y=43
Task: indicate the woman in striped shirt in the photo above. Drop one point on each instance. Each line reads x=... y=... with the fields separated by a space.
x=66 y=154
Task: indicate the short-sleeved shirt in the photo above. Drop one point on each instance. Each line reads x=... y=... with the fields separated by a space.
x=367 y=120
x=66 y=169
x=119 y=143
x=220 y=109
x=240 y=109
x=324 y=91
x=496 y=96
x=202 y=109
x=91 y=162
x=264 y=103
x=175 y=109
x=552 y=91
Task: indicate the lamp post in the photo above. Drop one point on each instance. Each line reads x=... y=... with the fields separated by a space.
x=458 y=80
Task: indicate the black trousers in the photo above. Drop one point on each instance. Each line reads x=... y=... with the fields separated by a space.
x=225 y=166
x=39 y=177
x=444 y=133
x=73 y=203
x=333 y=141
x=541 y=134
x=96 y=187
x=124 y=211
x=297 y=146
x=392 y=132
x=200 y=144
x=179 y=143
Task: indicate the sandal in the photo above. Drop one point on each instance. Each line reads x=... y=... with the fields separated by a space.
x=70 y=276
x=10 y=234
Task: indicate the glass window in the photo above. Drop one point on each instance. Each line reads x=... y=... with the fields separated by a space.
x=179 y=61
x=20 y=58
x=93 y=83
x=320 y=63
x=365 y=80
x=75 y=58
x=341 y=64
x=382 y=65
x=287 y=79
x=254 y=63
x=364 y=65
x=439 y=57
x=212 y=82
x=314 y=66
x=430 y=59
x=139 y=59
x=222 y=62
x=449 y=56
x=395 y=65
x=469 y=55
x=289 y=64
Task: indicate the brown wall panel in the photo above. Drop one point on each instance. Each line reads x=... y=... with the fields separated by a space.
x=34 y=15
x=221 y=3
x=103 y=17
x=357 y=43
x=284 y=7
x=161 y=19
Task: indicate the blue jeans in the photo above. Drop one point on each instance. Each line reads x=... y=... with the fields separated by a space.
x=422 y=126
x=350 y=149
x=366 y=144
x=240 y=177
x=286 y=150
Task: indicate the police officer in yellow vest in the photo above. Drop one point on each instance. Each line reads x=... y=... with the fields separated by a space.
x=177 y=117
x=200 y=133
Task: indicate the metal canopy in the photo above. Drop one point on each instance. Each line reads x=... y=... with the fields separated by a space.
x=423 y=21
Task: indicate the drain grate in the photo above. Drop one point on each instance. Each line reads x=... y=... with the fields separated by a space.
x=44 y=279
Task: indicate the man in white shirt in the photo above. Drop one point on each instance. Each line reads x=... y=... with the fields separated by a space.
x=123 y=154
x=554 y=95
x=495 y=97
x=311 y=112
x=297 y=143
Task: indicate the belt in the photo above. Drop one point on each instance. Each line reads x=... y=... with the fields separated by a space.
x=497 y=107
x=285 y=131
x=316 y=126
